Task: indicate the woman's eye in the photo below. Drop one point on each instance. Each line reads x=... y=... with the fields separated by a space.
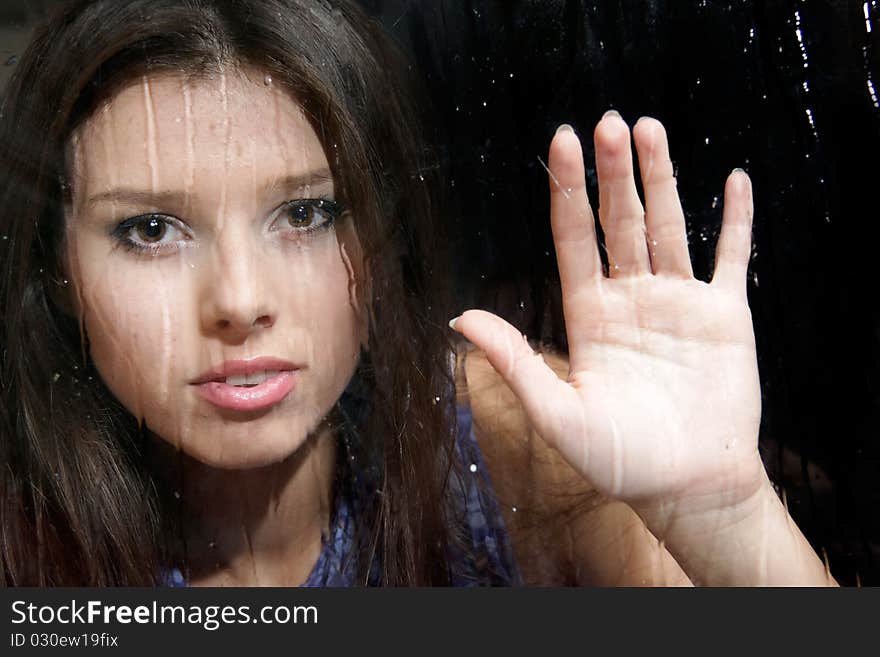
x=148 y=232
x=306 y=215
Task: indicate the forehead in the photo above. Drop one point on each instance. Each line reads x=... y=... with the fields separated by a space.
x=167 y=129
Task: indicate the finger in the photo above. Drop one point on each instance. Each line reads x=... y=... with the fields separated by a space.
x=544 y=395
x=620 y=209
x=571 y=218
x=664 y=219
x=735 y=243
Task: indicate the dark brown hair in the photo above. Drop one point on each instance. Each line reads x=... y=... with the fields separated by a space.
x=78 y=504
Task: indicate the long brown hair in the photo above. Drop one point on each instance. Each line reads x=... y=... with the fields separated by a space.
x=78 y=505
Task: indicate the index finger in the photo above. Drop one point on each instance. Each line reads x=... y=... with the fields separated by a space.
x=571 y=217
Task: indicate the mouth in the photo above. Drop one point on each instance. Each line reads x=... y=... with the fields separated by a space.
x=247 y=385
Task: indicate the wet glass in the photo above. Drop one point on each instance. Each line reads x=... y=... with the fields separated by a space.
x=788 y=91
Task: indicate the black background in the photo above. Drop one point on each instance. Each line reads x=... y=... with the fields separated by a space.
x=780 y=88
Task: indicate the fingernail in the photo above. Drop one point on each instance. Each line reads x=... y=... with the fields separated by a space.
x=738 y=170
x=612 y=112
x=564 y=128
x=453 y=321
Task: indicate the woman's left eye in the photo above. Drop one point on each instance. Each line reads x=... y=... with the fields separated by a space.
x=306 y=215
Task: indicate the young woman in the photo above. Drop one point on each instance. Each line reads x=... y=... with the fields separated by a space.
x=226 y=358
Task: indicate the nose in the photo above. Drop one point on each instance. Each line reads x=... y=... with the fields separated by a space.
x=235 y=297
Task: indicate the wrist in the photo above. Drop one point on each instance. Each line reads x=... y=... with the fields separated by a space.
x=710 y=505
x=749 y=542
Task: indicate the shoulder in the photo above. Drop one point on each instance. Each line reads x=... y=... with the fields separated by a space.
x=562 y=530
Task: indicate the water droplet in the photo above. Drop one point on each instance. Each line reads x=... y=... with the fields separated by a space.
x=714 y=202
x=176 y=495
x=55 y=377
x=473 y=467
x=707 y=141
x=436 y=400
x=212 y=545
x=873 y=93
x=267 y=80
x=12 y=61
x=522 y=305
x=514 y=509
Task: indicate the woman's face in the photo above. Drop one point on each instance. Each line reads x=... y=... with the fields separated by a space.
x=214 y=276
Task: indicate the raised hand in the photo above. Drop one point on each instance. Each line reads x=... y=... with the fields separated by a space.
x=662 y=403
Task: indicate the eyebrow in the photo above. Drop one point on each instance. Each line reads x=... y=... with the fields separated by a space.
x=178 y=197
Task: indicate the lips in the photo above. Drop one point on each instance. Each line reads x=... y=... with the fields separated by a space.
x=248 y=385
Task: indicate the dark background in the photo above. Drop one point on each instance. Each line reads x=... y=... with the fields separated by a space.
x=788 y=90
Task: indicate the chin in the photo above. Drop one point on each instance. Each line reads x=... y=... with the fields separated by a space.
x=248 y=445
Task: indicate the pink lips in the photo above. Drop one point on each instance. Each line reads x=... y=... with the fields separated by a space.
x=212 y=385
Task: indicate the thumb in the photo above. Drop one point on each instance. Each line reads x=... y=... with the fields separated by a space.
x=544 y=396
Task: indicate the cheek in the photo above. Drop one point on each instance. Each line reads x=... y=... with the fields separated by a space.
x=325 y=303
x=134 y=339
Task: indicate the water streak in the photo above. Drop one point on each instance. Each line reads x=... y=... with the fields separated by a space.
x=872 y=92
x=152 y=135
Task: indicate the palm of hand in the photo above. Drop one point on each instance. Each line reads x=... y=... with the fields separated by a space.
x=662 y=401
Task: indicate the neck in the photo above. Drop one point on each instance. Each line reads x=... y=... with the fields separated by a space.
x=262 y=526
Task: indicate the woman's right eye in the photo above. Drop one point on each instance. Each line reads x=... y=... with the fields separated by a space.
x=148 y=233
